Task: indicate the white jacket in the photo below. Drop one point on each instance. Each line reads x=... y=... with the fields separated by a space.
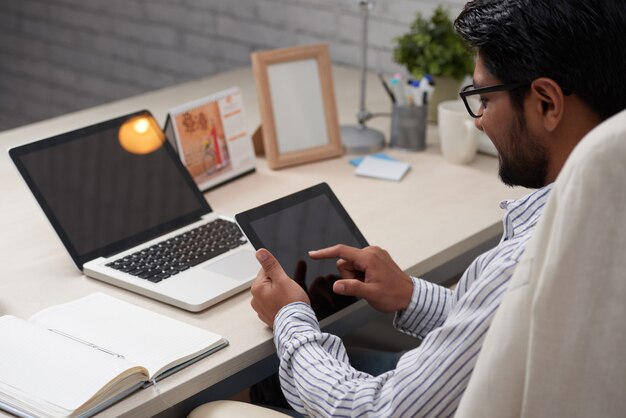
x=557 y=345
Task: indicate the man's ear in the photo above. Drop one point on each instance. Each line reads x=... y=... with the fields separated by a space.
x=548 y=102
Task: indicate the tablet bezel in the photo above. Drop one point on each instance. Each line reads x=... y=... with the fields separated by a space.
x=246 y=218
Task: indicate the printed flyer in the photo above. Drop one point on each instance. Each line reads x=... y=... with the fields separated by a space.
x=211 y=138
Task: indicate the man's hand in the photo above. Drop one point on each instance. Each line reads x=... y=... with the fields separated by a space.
x=370 y=274
x=273 y=289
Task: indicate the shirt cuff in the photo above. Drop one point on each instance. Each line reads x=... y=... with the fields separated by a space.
x=293 y=320
x=401 y=316
x=418 y=318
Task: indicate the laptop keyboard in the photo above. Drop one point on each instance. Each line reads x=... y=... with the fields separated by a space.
x=181 y=252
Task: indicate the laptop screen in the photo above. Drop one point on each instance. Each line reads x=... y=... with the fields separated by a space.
x=103 y=199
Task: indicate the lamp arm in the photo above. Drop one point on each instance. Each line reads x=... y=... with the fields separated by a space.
x=364 y=114
x=360 y=139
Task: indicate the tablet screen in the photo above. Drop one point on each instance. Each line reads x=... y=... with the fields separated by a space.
x=292 y=226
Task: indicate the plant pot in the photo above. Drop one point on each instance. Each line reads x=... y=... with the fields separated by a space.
x=446 y=88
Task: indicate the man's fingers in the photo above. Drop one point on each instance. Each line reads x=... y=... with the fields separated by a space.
x=352 y=287
x=269 y=264
x=259 y=311
x=347 y=271
x=337 y=251
x=266 y=320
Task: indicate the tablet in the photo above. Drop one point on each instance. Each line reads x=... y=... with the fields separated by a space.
x=293 y=225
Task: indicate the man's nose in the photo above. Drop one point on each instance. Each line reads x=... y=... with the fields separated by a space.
x=478 y=123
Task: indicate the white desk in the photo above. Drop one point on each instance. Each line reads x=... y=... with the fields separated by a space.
x=436 y=213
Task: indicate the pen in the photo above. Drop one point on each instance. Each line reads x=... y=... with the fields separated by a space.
x=387 y=89
x=396 y=84
x=427 y=85
x=416 y=92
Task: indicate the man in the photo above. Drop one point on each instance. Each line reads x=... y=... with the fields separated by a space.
x=546 y=74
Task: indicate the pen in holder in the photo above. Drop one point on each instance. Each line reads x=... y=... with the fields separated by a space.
x=408 y=127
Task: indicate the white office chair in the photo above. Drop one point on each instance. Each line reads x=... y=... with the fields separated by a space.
x=557 y=345
x=232 y=409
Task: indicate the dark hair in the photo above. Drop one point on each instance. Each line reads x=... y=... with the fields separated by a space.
x=580 y=44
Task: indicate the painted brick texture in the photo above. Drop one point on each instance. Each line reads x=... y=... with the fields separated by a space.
x=59 y=56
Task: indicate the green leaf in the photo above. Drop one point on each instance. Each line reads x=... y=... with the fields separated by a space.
x=433 y=47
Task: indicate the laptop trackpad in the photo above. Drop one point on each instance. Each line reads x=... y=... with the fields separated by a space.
x=241 y=265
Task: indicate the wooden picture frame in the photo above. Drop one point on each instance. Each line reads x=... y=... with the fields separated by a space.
x=296 y=95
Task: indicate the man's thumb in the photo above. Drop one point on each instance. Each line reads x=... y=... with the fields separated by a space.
x=268 y=262
x=350 y=287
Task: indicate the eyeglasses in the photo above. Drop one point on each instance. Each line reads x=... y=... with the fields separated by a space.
x=474 y=105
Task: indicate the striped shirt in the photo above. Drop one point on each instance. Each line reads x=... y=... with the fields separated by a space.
x=316 y=376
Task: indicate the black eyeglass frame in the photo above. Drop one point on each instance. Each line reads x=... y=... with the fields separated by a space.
x=464 y=93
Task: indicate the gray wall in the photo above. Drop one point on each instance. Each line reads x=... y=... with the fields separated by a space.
x=58 y=56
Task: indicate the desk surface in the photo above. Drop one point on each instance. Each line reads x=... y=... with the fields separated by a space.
x=436 y=213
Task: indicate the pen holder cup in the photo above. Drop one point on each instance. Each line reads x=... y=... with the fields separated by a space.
x=408 y=127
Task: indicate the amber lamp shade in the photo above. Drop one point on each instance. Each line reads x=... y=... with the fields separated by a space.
x=141 y=135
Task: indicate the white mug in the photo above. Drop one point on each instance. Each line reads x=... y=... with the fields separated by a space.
x=458 y=135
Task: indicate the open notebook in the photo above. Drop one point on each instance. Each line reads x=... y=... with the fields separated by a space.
x=75 y=359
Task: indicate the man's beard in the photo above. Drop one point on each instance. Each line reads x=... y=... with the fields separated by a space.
x=525 y=161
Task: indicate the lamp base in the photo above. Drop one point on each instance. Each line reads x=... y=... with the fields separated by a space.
x=360 y=139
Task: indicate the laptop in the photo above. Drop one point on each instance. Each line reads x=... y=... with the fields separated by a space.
x=133 y=217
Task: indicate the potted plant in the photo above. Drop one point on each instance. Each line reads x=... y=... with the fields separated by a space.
x=433 y=47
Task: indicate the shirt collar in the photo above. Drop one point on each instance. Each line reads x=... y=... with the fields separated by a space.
x=522 y=214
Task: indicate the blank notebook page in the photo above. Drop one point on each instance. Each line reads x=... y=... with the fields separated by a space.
x=48 y=366
x=141 y=336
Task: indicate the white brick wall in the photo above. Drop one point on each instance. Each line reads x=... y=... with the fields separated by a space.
x=58 y=56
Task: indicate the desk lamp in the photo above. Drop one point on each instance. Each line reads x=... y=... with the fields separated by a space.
x=360 y=139
x=141 y=135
